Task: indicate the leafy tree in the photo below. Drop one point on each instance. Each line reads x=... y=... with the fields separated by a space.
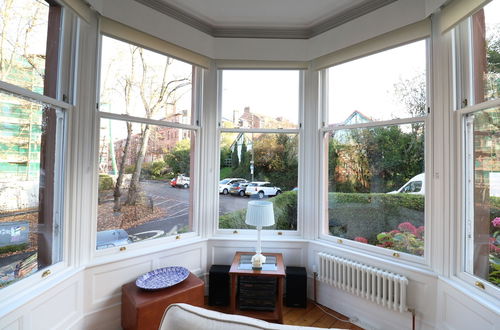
x=393 y=156
x=412 y=94
x=179 y=159
x=276 y=159
x=157 y=89
x=225 y=153
x=244 y=158
x=235 y=162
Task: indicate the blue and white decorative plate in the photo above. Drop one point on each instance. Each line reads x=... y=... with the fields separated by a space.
x=162 y=278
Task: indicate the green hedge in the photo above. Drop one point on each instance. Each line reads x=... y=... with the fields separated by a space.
x=13 y=248
x=285 y=214
x=366 y=215
x=350 y=214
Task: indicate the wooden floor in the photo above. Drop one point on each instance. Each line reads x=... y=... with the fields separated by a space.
x=311 y=316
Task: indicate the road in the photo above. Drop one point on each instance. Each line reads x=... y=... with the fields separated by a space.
x=175 y=202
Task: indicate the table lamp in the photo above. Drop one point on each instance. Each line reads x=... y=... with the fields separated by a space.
x=259 y=214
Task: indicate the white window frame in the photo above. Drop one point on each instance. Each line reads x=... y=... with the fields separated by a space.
x=149 y=246
x=258 y=66
x=325 y=131
x=16 y=294
x=463 y=67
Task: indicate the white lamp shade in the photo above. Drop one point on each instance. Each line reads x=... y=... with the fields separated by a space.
x=260 y=213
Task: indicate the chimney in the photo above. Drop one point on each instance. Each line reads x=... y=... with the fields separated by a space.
x=246 y=110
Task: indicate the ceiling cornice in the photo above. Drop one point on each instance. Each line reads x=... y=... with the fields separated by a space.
x=268 y=33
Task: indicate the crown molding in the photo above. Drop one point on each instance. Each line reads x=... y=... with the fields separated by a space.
x=267 y=33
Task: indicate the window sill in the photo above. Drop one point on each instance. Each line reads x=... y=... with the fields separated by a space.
x=24 y=291
x=252 y=237
x=465 y=287
x=143 y=248
x=369 y=255
x=252 y=233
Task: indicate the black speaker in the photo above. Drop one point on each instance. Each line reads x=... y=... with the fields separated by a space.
x=296 y=287
x=218 y=288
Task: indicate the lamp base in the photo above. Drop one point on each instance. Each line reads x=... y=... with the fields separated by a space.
x=257 y=261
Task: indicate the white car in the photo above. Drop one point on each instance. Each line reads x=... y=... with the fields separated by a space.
x=183 y=181
x=261 y=189
x=415 y=185
x=225 y=184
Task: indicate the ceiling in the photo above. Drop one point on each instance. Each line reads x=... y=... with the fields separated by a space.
x=284 y=19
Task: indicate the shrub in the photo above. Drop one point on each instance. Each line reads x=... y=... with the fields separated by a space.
x=407 y=238
x=225 y=172
x=285 y=214
x=154 y=170
x=365 y=215
x=285 y=210
x=234 y=220
x=105 y=182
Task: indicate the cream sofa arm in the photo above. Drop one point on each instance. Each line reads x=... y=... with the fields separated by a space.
x=187 y=317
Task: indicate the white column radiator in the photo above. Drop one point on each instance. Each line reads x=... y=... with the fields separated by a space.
x=374 y=284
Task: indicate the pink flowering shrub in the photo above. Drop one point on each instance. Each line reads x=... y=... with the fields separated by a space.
x=407 y=238
x=494 y=256
x=408 y=227
x=361 y=239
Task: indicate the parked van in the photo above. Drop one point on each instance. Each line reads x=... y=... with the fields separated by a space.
x=415 y=185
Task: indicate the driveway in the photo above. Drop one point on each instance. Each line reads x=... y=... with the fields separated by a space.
x=175 y=203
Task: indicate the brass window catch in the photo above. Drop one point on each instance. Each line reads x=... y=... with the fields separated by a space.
x=46 y=273
x=395 y=254
x=178 y=237
x=479 y=285
x=123 y=248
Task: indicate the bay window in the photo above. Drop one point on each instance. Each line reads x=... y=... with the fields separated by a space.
x=259 y=144
x=374 y=144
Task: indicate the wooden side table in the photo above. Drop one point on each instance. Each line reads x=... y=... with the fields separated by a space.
x=143 y=309
x=279 y=273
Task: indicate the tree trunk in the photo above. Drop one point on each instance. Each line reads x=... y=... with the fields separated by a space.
x=121 y=171
x=133 y=190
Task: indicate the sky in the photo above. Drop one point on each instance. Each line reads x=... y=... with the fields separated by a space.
x=368 y=84
x=274 y=93
x=492 y=12
x=116 y=64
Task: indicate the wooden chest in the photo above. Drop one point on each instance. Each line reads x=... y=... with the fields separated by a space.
x=143 y=309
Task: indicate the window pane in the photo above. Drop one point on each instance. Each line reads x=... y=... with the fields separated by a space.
x=142 y=83
x=483 y=197
x=23 y=42
x=30 y=234
x=376 y=186
x=260 y=98
x=384 y=86
x=268 y=163
x=486 y=52
x=144 y=182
